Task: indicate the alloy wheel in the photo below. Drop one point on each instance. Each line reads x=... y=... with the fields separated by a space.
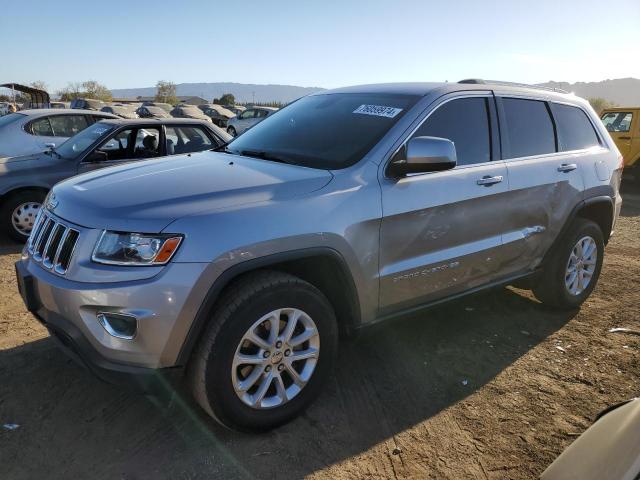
x=275 y=358
x=581 y=265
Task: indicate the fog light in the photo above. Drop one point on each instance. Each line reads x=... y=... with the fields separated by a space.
x=119 y=325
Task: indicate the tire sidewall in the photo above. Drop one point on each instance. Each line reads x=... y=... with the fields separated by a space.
x=224 y=402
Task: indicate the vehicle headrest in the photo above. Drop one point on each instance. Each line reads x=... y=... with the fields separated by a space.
x=150 y=142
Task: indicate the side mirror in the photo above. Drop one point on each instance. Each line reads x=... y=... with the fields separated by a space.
x=97 y=156
x=423 y=155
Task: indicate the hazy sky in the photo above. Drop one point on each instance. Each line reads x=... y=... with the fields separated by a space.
x=328 y=43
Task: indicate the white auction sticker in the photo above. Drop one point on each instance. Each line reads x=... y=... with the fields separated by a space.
x=378 y=110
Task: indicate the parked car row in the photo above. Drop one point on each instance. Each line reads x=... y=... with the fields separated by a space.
x=235 y=119
x=106 y=141
x=33 y=131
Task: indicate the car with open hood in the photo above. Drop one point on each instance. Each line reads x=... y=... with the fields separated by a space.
x=151 y=111
x=189 y=111
x=120 y=111
x=217 y=113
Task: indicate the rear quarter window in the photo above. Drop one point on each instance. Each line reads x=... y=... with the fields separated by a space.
x=575 y=131
x=528 y=129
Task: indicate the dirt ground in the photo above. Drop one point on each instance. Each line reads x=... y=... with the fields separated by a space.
x=493 y=386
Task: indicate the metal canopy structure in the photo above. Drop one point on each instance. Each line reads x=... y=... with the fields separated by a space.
x=39 y=98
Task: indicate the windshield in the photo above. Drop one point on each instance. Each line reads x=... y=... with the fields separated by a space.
x=12 y=117
x=330 y=131
x=80 y=142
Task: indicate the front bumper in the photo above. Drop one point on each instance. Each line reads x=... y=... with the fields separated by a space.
x=69 y=311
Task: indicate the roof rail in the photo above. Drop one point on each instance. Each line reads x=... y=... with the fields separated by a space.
x=479 y=81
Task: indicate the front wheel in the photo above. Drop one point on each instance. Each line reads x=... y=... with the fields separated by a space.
x=231 y=131
x=268 y=350
x=573 y=269
x=18 y=213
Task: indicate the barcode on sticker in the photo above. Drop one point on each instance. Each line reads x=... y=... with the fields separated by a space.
x=378 y=110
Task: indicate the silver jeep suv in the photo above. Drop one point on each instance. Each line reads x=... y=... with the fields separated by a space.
x=241 y=267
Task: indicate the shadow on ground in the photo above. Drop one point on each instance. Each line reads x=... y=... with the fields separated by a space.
x=630 y=191
x=389 y=379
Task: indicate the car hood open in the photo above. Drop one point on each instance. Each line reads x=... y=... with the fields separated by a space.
x=147 y=196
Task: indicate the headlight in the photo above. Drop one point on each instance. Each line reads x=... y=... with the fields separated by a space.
x=115 y=248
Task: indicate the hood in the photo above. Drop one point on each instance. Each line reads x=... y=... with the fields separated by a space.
x=147 y=196
x=15 y=161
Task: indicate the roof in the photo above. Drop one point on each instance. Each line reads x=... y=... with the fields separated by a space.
x=38 y=112
x=425 y=88
x=155 y=121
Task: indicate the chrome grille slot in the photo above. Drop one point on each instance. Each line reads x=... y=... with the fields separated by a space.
x=52 y=243
x=43 y=239
x=37 y=229
x=63 y=257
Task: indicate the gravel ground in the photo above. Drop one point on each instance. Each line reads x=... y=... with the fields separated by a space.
x=493 y=386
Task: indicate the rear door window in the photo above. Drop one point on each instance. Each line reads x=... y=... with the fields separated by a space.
x=528 y=128
x=68 y=125
x=575 y=131
x=119 y=147
x=464 y=121
x=247 y=114
x=187 y=139
x=42 y=127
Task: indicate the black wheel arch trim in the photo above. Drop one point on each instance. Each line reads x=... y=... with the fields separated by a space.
x=602 y=199
x=230 y=274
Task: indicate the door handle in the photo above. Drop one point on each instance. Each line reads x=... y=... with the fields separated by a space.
x=567 y=167
x=624 y=138
x=487 y=181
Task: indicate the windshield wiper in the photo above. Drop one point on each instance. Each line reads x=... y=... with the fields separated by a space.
x=52 y=150
x=222 y=148
x=265 y=156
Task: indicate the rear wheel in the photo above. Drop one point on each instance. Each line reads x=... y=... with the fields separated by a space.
x=572 y=270
x=231 y=131
x=18 y=213
x=267 y=352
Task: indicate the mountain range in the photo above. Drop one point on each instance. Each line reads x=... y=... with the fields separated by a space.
x=621 y=91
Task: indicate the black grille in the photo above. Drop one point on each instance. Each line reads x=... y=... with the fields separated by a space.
x=52 y=243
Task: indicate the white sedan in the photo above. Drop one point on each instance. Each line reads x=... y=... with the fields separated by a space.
x=30 y=131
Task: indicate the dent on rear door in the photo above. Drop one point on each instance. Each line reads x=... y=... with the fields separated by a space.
x=539 y=202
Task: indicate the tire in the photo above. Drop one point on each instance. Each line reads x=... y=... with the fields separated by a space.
x=231 y=131
x=18 y=213
x=215 y=377
x=554 y=286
